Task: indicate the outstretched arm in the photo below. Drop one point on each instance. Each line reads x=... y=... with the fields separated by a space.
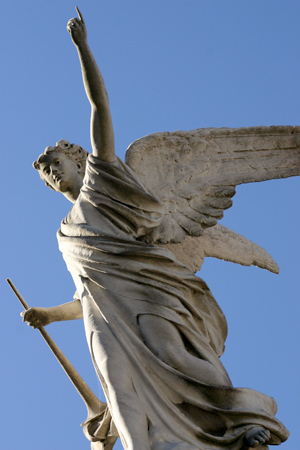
x=37 y=317
x=102 y=133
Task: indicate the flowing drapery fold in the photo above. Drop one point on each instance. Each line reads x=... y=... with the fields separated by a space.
x=119 y=278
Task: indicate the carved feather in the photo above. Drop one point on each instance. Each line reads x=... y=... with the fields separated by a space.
x=195 y=172
x=222 y=243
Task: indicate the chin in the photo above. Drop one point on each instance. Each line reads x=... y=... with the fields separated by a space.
x=63 y=187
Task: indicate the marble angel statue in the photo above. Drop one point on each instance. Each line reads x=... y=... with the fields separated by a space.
x=133 y=240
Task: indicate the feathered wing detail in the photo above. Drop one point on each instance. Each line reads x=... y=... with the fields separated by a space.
x=222 y=243
x=195 y=172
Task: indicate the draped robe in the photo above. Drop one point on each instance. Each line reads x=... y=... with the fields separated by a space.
x=119 y=278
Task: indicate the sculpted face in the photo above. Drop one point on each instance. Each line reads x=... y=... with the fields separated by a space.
x=62 y=174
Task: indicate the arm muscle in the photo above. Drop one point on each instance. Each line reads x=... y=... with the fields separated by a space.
x=102 y=133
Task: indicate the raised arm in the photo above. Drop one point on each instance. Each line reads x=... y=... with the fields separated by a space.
x=102 y=133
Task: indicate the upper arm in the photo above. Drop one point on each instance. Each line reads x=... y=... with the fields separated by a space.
x=102 y=134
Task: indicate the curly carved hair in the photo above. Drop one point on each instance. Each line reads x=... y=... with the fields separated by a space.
x=72 y=151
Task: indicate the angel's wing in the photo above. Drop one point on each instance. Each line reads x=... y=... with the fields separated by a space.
x=195 y=172
x=222 y=243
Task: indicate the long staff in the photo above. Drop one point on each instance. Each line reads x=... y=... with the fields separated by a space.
x=94 y=406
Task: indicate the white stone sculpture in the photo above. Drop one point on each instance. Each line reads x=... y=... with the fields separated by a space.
x=135 y=236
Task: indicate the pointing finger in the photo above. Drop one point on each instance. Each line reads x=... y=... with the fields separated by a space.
x=79 y=14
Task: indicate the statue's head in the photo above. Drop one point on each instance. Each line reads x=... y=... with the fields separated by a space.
x=62 y=167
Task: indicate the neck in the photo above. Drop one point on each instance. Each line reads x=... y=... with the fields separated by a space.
x=73 y=194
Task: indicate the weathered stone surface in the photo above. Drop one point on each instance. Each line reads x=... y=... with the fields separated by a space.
x=195 y=172
x=132 y=240
x=222 y=243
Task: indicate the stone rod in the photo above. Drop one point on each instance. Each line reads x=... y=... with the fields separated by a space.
x=93 y=404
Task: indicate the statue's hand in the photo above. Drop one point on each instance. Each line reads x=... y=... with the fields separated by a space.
x=36 y=317
x=77 y=29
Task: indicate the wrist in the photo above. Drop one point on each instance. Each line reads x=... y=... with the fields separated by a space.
x=81 y=45
x=53 y=314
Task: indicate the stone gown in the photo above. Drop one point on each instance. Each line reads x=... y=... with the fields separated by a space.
x=118 y=278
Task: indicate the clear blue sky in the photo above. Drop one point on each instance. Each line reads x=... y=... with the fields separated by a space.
x=168 y=64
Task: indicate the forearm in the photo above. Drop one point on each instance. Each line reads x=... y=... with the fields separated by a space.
x=39 y=317
x=92 y=78
x=67 y=311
